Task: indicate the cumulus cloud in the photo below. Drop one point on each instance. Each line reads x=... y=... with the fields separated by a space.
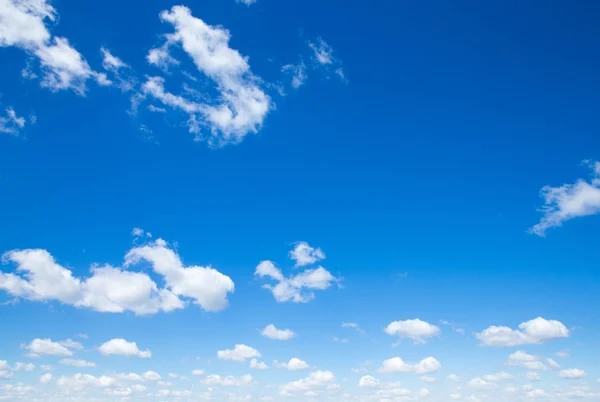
x=498 y=377
x=368 y=381
x=39 y=347
x=315 y=380
x=294 y=364
x=86 y=380
x=397 y=365
x=523 y=359
x=239 y=353
x=257 y=365
x=569 y=201
x=241 y=106
x=46 y=378
x=228 y=381
x=479 y=383
x=304 y=254
x=23 y=25
x=416 y=330
x=271 y=332
x=534 y=331
x=121 y=347
x=77 y=363
x=297 y=288
x=117 y=290
x=11 y=124
x=572 y=374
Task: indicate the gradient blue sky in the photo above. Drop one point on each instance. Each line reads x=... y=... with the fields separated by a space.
x=441 y=155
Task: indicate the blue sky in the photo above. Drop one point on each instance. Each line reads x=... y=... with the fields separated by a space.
x=294 y=200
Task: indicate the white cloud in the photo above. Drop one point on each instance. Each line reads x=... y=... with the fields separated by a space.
x=368 y=381
x=23 y=366
x=294 y=364
x=151 y=376
x=11 y=124
x=111 y=62
x=46 y=378
x=205 y=285
x=22 y=24
x=255 y=364
x=243 y=104
x=323 y=53
x=354 y=326
x=77 y=363
x=228 y=381
x=572 y=374
x=71 y=344
x=416 y=330
x=479 y=383
x=304 y=254
x=121 y=347
x=569 y=201
x=532 y=376
x=563 y=354
x=39 y=347
x=427 y=379
x=453 y=377
x=292 y=288
x=86 y=380
x=197 y=372
x=298 y=73
x=271 y=332
x=315 y=380
x=239 y=353
x=553 y=364
x=534 y=331
x=397 y=365
x=497 y=377
x=246 y=2
x=523 y=359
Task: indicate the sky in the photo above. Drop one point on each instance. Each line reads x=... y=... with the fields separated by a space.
x=263 y=200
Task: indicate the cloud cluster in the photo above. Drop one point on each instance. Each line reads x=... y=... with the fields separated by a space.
x=416 y=329
x=569 y=201
x=397 y=365
x=239 y=353
x=534 y=331
x=241 y=106
x=271 y=332
x=121 y=347
x=116 y=290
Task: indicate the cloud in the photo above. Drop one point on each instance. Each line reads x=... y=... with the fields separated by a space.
x=239 y=353
x=498 y=377
x=22 y=25
x=228 y=381
x=523 y=359
x=368 y=381
x=255 y=364
x=86 y=380
x=416 y=330
x=197 y=372
x=323 y=58
x=46 y=378
x=569 y=201
x=397 y=365
x=297 y=72
x=304 y=254
x=479 y=383
x=453 y=377
x=532 y=376
x=246 y=2
x=292 y=288
x=11 y=124
x=241 y=106
x=534 y=331
x=271 y=332
x=121 y=347
x=294 y=364
x=19 y=366
x=572 y=374
x=39 y=347
x=77 y=363
x=315 y=380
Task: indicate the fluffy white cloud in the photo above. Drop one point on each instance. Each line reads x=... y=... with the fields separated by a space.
x=197 y=372
x=151 y=376
x=497 y=377
x=23 y=366
x=532 y=376
x=23 y=25
x=255 y=364
x=304 y=254
x=534 y=331
x=479 y=383
x=228 y=381
x=523 y=359
x=243 y=104
x=77 y=363
x=428 y=379
x=569 y=201
x=293 y=288
x=416 y=330
x=315 y=380
x=271 y=332
x=572 y=374
x=86 y=380
x=397 y=365
x=121 y=347
x=11 y=124
x=239 y=353
x=39 y=347
x=368 y=381
x=46 y=378
x=294 y=364
x=205 y=285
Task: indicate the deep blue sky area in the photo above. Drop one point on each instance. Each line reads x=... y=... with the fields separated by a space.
x=418 y=175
